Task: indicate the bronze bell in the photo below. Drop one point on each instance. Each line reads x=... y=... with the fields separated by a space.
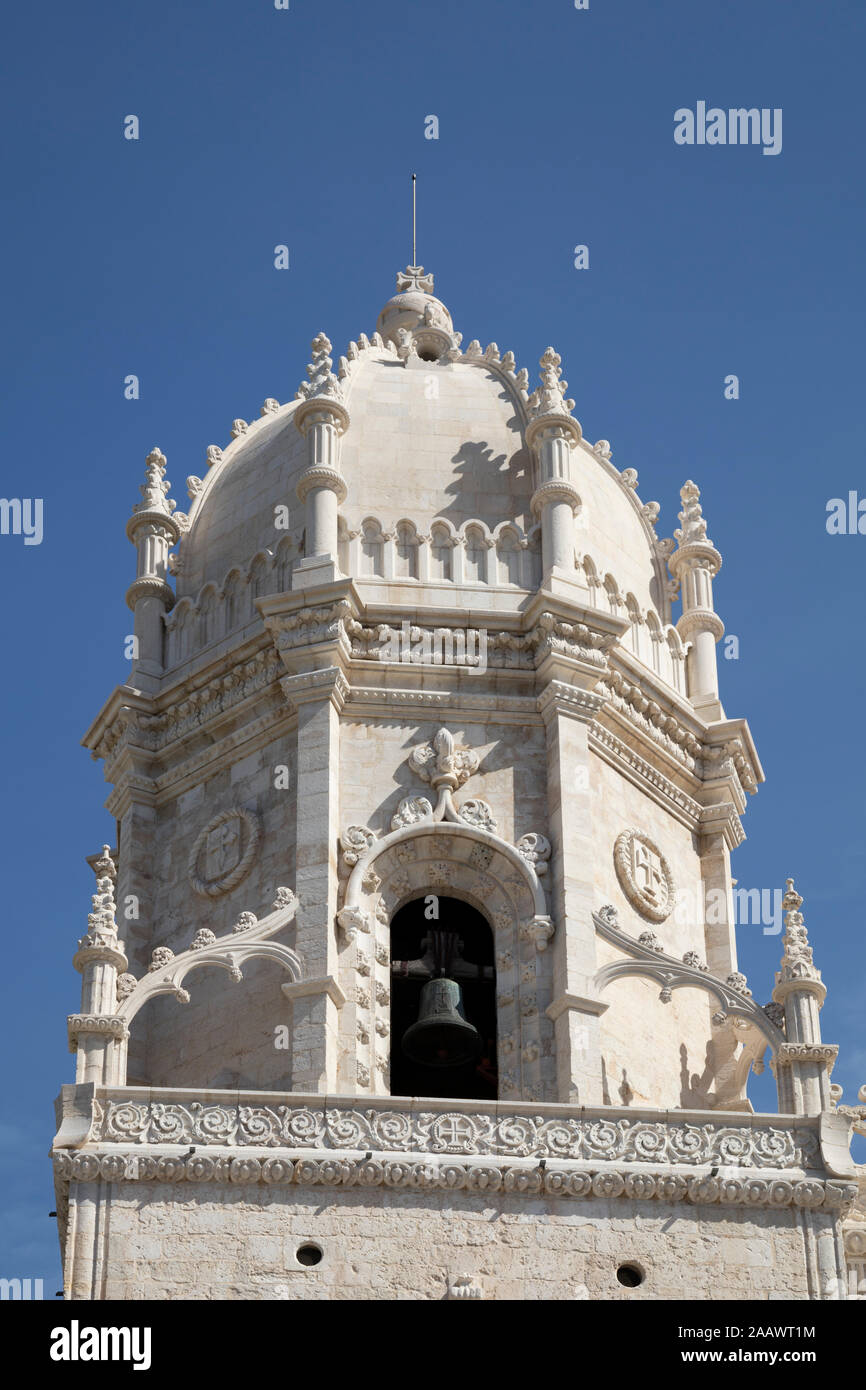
x=442 y=1036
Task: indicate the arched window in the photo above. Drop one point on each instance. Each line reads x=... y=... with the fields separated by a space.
x=440 y=552
x=372 y=549
x=593 y=583
x=287 y=555
x=655 y=636
x=232 y=590
x=475 y=555
x=675 y=647
x=634 y=617
x=180 y=633
x=207 y=615
x=508 y=557
x=612 y=593
x=406 y=564
x=258 y=580
x=443 y=961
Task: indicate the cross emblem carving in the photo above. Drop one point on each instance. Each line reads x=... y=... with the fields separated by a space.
x=413 y=278
x=647 y=870
x=453 y=1132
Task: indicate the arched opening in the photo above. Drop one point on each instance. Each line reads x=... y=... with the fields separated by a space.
x=456 y=944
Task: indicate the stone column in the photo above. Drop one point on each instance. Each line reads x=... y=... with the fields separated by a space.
x=322 y=419
x=551 y=434
x=318 y=697
x=153 y=531
x=803 y=1062
x=694 y=563
x=568 y=705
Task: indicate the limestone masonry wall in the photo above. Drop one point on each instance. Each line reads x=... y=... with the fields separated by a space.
x=171 y=1242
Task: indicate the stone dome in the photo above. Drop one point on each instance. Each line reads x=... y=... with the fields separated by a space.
x=427 y=441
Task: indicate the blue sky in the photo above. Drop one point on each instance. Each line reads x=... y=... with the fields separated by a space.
x=261 y=127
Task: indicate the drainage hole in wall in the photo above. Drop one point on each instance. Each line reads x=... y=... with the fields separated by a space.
x=308 y=1255
x=630 y=1276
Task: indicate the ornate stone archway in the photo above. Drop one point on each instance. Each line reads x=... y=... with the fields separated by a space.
x=455 y=852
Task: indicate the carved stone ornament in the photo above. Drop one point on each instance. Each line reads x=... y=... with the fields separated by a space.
x=223 y=854
x=442 y=763
x=411 y=810
x=644 y=875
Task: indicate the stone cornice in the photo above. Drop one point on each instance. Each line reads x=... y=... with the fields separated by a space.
x=382 y=700
x=747 y=1187
x=645 y=775
x=655 y=724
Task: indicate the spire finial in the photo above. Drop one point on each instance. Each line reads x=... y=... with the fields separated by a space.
x=414 y=251
x=155 y=487
x=797 y=963
x=694 y=527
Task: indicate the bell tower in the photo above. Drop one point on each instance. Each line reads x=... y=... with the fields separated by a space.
x=419 y=926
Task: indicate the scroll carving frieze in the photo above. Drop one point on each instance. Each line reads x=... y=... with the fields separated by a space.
x=571 y=1137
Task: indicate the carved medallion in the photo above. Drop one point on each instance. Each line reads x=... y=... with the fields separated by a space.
x=644 y=875
x=223 y=854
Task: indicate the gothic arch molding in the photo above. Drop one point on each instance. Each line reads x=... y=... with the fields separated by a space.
x=250 y=940
x=649 y=961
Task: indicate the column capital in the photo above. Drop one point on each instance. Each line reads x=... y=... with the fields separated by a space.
x=107 y=1026
x=148 y=586
x=322 y=476
x=576 y=1003
x=316 y=687
x=555 y=490
x=326 y=985
x=700 y=620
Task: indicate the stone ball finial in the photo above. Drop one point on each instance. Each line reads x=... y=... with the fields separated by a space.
x=415 y=308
